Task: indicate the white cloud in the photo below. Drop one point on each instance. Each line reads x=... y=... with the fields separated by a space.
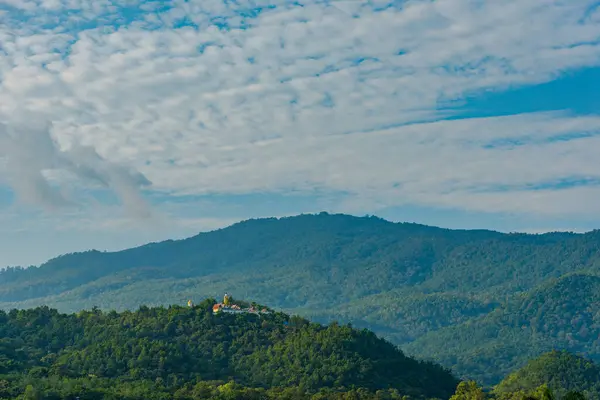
x=285 y=104
x=30 y=156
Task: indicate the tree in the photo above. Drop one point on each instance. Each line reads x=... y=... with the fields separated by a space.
x=544 y=393
x=468 y=390
x=573 y=395
x=31 y=393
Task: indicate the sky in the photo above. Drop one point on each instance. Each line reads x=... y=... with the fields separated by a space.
x=127 y=121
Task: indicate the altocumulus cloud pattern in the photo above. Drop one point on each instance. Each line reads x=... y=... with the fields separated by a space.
x=361 y=98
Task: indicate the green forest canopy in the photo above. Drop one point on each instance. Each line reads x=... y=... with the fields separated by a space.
x=191 y=353
x=480 y=302
x=156 y=352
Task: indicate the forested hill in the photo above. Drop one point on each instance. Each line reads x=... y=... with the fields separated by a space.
x=191 y=353
x=560 y=371
x=411 y=283
x=324 y=244
x=561 y=314
x=333 y=251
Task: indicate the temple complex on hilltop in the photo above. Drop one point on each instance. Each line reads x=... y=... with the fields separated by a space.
x=228 y=306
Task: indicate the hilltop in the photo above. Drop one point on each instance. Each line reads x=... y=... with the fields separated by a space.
x=440 y=293
x=182 y=352
x=560 y=371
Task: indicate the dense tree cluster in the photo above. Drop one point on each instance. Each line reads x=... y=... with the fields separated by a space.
x=469 y=390
x=562 y=372
x=190 y=353
x=562 y=314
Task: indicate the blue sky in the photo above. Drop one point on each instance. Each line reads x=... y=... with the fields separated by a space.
x=130 y=121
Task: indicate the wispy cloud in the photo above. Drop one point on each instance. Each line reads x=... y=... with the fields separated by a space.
x=31 y=155
x=272 y=96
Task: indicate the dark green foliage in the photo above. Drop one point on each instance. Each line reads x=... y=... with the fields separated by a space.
x=573 y=395
x=468 y=390
x=562 y=314
x=570 y=377
x=475 y=301
x=158 y=353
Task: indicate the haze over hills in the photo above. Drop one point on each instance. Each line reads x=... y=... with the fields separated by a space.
x=480 y=302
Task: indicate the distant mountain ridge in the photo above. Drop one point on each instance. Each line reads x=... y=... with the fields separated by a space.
x=412 y=283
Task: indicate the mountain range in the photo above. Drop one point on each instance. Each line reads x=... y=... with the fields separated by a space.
x=479 y=302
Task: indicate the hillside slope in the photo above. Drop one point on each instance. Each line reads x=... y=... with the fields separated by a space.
x=333 y=251
x=409 y=282
x=323 y=249
x=175 y=347
x=562 y=314
x=561 y=371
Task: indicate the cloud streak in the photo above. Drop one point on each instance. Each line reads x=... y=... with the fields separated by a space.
x=31 y=156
